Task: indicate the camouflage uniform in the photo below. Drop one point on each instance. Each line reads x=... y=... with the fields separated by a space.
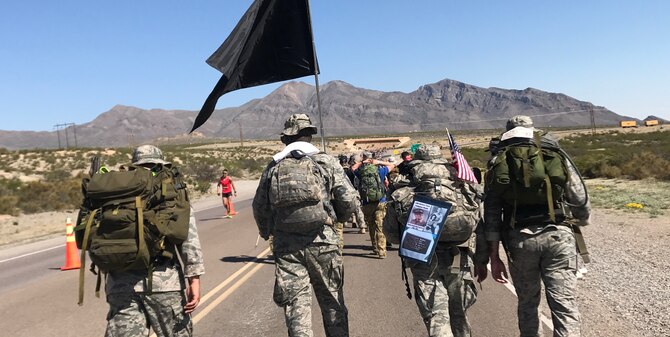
x=308 y=260
x=444 y=289
x=374 y=212
x=541 y=252
x=132 y=309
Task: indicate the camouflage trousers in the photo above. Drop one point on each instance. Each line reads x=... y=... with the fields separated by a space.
x=359 y=217
x=339 y=228
x=374 y=213
x=319 y=267
x=444 y=291
x=132 y=314
x=549 y=257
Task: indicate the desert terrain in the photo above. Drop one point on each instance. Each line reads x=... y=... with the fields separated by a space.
x=624 y=291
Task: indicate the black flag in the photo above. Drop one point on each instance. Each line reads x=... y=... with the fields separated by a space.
x=272 y=42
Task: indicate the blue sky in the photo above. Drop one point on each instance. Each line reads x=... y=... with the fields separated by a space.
x=68 y=61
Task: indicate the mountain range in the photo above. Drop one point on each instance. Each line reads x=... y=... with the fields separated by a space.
x=346 y=110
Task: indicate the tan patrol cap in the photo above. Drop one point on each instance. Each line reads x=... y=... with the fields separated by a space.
x=298 y=122
x=519 y=120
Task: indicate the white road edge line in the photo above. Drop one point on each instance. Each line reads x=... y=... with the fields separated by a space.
x=63 y=245
x=510 y=287
x=32 y=253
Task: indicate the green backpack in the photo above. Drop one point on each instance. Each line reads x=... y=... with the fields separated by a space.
x=130 y=218
x=371 y=187
x=530 y=175
x=299 y=194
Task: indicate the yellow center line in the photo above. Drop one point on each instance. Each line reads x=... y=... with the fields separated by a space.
x=225 y=294
x=232 y=277
x=202 y=313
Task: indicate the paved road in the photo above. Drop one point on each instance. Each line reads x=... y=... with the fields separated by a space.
x=40 y=300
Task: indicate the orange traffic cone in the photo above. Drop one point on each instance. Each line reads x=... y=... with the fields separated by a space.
x=231 y=208
x=71 y=251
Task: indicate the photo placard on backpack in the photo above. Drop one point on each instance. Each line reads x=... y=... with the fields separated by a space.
x=422 y=231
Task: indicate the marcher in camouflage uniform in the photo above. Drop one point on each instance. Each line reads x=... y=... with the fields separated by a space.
x=166 y=309
x=540 y=250
x=374 y=211
x=444 y=289
x=312 y=259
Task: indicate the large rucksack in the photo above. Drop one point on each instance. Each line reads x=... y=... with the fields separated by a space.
x=371 y=186
x=435 y=180
x=131 y=218
x=532 y=175
x=299 y=194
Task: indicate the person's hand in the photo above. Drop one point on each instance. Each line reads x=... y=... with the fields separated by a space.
x=498 y=270
x=235 y=193
x=192 y=294
x=481 y=272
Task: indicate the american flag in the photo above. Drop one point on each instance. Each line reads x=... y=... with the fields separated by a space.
x=464 y=170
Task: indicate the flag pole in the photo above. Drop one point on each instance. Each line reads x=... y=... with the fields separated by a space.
x=448 y=137
x=316 y=80
x=318 y=105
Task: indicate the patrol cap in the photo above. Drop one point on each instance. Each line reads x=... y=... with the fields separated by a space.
x=367 y=154
x=427 y=152
x=417 y=210
x=148 y=154
x=519 y=120
x=297 y=122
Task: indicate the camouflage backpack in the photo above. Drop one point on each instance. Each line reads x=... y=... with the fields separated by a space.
x=435 y=180
x=370 y=186
x=299 y=194
x=130 y=218
x=530 y=174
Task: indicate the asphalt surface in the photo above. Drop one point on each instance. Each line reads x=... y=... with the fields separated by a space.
x=41 y=300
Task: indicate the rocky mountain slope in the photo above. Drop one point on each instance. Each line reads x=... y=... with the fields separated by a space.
x=346 y=110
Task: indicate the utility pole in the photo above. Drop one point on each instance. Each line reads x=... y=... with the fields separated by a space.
x=64 y=127
x=74 y=130
x=241 y=137
x=593 y=121
x=131 y=141
x=57 y=133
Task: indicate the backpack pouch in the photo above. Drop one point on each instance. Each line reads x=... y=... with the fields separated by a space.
x=121 y=254
x=116 y=187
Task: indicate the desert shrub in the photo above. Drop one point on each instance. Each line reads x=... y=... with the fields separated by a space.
x=40 y=196
x=57 y=175
x=201 y=174
x=647 y=165
x=8 y=199
x=9 y=205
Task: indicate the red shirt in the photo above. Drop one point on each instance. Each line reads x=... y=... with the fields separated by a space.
x=226 y=187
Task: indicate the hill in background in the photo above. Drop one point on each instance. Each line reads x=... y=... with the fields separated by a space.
x=346 y=110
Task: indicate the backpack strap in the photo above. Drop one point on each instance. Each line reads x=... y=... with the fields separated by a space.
x=581 y=244
x=142 y=245
x=84 y=248
x=403 y=267
x=547 y=182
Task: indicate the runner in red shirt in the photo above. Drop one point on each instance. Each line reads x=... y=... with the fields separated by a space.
x=226 y=189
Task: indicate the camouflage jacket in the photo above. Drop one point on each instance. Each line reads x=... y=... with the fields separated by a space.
x=497 y=216
x=343 y=198
x=166 y=275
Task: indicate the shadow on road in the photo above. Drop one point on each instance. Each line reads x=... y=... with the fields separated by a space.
x=247 y=258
